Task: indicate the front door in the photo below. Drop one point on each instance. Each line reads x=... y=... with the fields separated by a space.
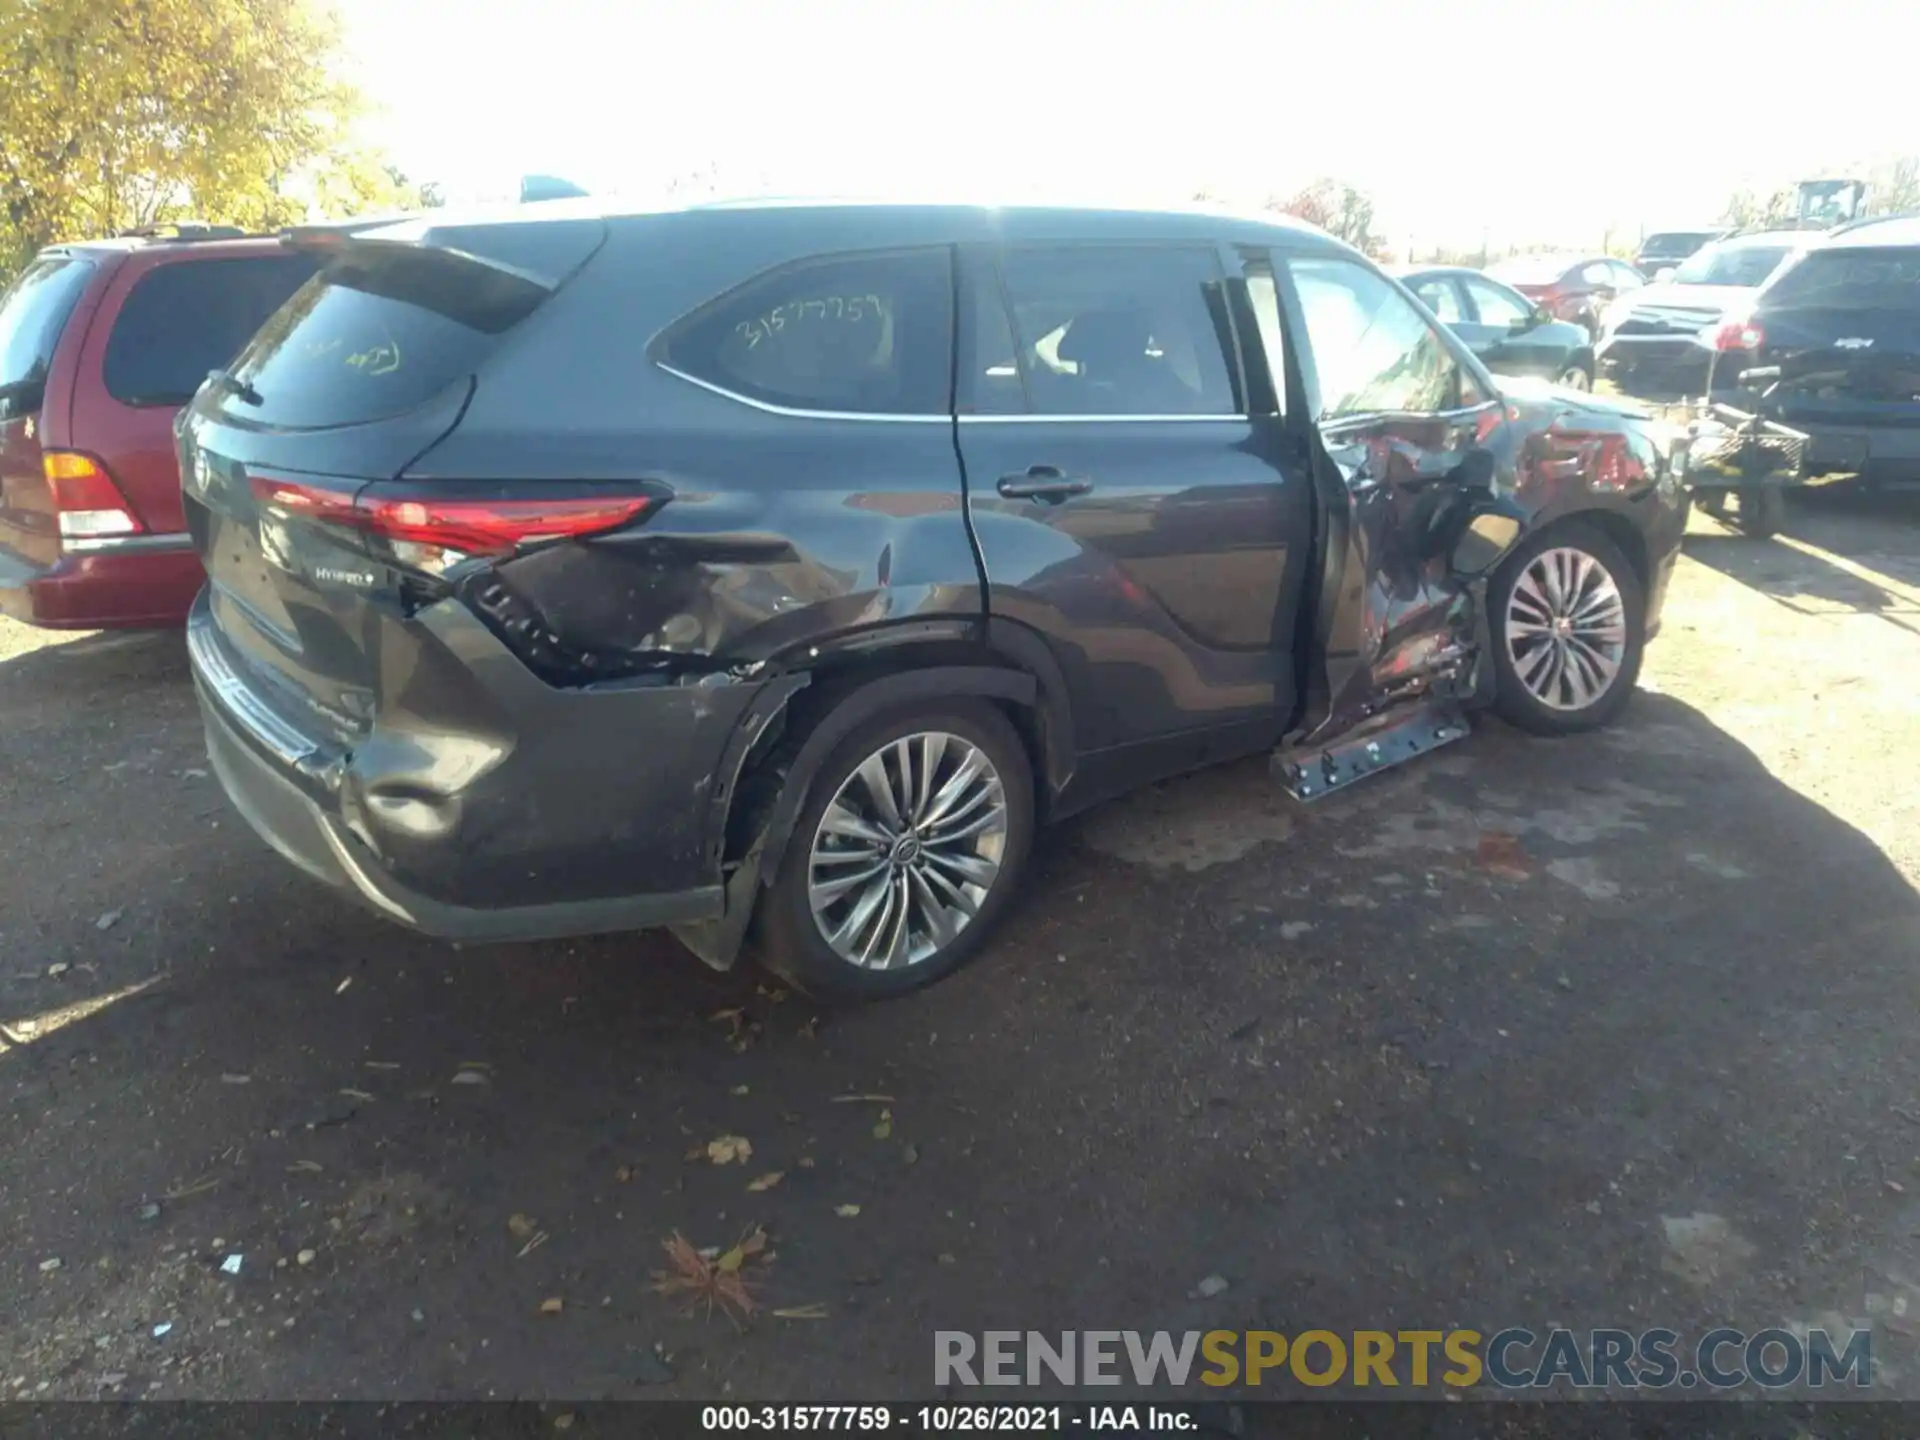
x=1130 y=505
x=1404 y=425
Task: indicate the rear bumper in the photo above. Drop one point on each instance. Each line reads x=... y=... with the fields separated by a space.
x=145 y=584
x=1678 y=363
x=308 y=803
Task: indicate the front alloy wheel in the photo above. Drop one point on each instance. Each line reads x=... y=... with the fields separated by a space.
x=1568 y=616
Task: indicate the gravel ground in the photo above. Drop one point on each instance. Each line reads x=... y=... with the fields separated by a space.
x=1613 y=1031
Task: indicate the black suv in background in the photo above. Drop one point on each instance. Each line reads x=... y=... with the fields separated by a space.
x=1826 y=359
x=771 y=571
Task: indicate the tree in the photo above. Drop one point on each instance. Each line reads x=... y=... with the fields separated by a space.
x=1750 y=210
x=1896 y=189
x=120 y=113
x=1337 y=208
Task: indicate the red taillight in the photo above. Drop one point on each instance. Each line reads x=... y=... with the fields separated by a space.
x=89 y=504
x=435 y=533
x=1737 y=335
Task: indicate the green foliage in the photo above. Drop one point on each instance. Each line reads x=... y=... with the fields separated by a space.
x=122 y=113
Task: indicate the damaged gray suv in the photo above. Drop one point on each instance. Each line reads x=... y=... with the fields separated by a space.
x=773 y=572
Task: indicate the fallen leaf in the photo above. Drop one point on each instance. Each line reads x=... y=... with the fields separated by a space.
x=766 y=1181
x=353 y=1094
x=806 y=1162
x=846 y=1212
x=729 y=1150
x=863 y=1099
x=623 y=1173
x=233 y=1077
x=741 y=1090
x=553 y=1306
x=57 y=969
x=801 y=1312
x=305 y=1167
x=382 y=1064
x=469 y=1077
x=1896 y=1187
x=751 y=1244
x=341 y=988
x=884 y=1129
x=1501 y=854
x=108 y=920
x=696 y=1275
x=522 y=1226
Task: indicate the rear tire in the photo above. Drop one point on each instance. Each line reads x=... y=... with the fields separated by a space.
x=1763 y=510
x=1567 y=618
x=932 y=823
x=1577 y=377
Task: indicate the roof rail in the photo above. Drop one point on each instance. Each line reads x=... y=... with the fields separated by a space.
x=1860 y=224
x=185 y=230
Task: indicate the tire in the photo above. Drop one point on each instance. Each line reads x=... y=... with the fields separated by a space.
x=792 y=939
x=1712 y=502
x=1565 y=694
x=1577 y=377
x=1763 y=510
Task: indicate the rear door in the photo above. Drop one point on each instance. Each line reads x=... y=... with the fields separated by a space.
x=1397 y=412
x=1126 y=503
x=1843 y=326
x=162 y=327
x=364 y=370
x=34 y=313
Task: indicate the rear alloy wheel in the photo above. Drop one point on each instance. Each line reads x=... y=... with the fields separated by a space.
x=1568 y=619
x=910 y=844
x=1576 y=377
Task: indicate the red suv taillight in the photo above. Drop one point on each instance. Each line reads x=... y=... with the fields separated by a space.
x=1736 y=334
x=434 y=533
x=86 y=499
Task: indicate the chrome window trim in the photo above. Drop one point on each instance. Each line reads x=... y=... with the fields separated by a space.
x=795 y=413
x=109 y=543
x=1213 y=419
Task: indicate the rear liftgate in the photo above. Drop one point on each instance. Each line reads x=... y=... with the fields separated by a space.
x=1402 y=646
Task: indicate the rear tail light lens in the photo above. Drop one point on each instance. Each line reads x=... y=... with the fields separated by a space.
x=434 y=534
x=89 y=504
x=1737 y=333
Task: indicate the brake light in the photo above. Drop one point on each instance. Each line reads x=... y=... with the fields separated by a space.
x=1736 y=334
x=433 y=533
x=89 y=504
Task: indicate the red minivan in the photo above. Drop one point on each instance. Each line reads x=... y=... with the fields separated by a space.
x=101 y=343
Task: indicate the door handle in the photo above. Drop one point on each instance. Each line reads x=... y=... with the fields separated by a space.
x=1042 y=482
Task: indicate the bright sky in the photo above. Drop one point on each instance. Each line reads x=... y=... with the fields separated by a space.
x=1528 y=119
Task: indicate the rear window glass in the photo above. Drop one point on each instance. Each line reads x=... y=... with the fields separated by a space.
x=1743 y=265
x=1850 y=279
x=33 y=312
x=855 y=334
x=1531 y=269
x=1675 y=242
x=378 y=334
x=182 y=320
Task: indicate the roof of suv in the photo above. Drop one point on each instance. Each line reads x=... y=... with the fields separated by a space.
x=1200 y=222
x=1877 y=232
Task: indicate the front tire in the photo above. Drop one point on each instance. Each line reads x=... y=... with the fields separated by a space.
x=910 y=845
x=1576 y=377
x=1568 y=621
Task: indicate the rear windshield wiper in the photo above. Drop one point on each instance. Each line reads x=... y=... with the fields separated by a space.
x=235 y=386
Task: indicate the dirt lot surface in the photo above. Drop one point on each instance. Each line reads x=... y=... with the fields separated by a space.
x=1613 y=1031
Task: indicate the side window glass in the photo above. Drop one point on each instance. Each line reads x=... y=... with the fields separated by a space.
x=1439 y=296
x=180 y=321
x=1113 y=330
x=1598 y=273
x=1373 y=350
x=858 y=334
x=990 y=380
x=1626 y=277
x=1496 y=306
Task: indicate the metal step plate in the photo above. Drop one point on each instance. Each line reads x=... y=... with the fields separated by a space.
x=1378 y=744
